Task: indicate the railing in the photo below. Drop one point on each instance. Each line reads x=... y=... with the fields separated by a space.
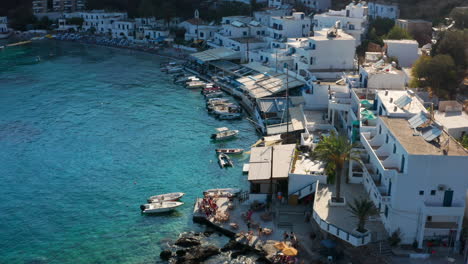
x=299 y=192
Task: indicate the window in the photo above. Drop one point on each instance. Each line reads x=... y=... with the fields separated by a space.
x=402 y=163
x=429 y=218
x=202 y=35
x=351 y=27
x=394 y=148
x=311 y=60
x=433 y=192
x=421 y=192
x=386 y=211
x=244 y=33
x=380 y=129
x=386 y=138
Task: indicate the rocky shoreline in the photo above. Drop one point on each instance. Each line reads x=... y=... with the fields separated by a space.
x=197 y=247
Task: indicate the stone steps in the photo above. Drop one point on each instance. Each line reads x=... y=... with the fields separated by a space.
x=381 y=248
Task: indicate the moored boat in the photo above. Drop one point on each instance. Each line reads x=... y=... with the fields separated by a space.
x=166 y=197
x=194 y=84
x=224 y=160
x=222 y=192
x=230 y=151
x=224 y=133
x=159 y=207
x=214 y=94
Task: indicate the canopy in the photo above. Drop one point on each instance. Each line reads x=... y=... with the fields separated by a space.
x=216 y=54
x=366 y=103
x=368 y=115
x=280 y=245
x=290 y=251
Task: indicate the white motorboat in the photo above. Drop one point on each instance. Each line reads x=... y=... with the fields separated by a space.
x=195 y=84
x=186 y=79
x=222 y=192
x=224 y=133
x=229 y=116
x=166 y=197
x=224 y=160
x=176 y=69
x=160 y=207
x=230 y=151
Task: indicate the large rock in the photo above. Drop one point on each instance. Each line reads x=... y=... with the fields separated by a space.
x=187 y=241
x=165 y=254
x=198 y=254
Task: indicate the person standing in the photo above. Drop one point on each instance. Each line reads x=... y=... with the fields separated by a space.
x=285 y=236
x=248 y=225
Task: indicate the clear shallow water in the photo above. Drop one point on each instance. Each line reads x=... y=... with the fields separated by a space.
x=85 y=136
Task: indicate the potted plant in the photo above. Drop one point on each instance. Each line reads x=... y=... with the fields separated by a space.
x=362 y=209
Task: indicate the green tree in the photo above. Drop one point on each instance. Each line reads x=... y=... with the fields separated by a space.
x=362 y=209
x=438 y=73
x=335 y=150
x=464 y=141
x=460 y=16
x=454 y=44
x=398 y=33
x=382 y=25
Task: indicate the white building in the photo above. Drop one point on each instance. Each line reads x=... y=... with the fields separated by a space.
x=4 y=25
x=406 y=157
x=384 y=9
x=264 y=16
x=317 y=5
x=377 y=73
x=323 y=53
x=197 y=29
x=405 y=50
x=152 y=34
x=278 y=3
x=102 y=22
x=353 y=20
x=123 y=29
x=295 y=26
x=451 y=115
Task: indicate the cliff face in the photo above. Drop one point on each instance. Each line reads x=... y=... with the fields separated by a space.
x=432 y=10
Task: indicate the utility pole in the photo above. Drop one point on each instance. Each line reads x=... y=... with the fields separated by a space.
x=287 y=100
x=197 y=15
x=276 y=58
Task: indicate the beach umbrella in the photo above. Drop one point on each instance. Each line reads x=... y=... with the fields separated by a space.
x=328 y=243
x=290 y=251
x=280 y=245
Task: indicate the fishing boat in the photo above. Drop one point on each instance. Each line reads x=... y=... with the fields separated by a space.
x=222 y=192
x=166 y=197
x=176 y=69
x=159 y=207
x=224 y=160
x=224 y=133
x=210 y=90
x=185 y=79
x=230 y=151
x=227 y=111
x=194 y=84
x=214 y=94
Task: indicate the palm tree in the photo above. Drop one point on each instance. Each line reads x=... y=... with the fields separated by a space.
x=362 y=209
x=335 y=150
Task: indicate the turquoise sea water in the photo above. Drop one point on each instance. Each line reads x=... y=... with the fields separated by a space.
x=86 y=135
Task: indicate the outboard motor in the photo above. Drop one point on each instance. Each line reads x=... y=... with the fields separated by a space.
x=142 y=207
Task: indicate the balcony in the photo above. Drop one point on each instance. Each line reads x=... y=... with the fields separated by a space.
x=378 y=192
x=378 y=156
x=437 y=208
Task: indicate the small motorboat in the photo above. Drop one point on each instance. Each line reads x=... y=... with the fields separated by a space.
x=194 y=84
x=176 y=69
x=224 y=133
x=214 y=94
x=159 y=207
x=230 y=151
x=229 y=116
x=224 y=160
x=166 y=197
x=186 y=79
x=222 y=192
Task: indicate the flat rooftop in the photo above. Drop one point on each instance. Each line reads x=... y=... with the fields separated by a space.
x=260 y=167
x=248 y=40
x=390 y=98
x=416 y=144
x=321 y=35
x=456 y=119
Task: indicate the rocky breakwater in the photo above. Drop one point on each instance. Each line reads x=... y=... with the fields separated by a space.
x=194 y=248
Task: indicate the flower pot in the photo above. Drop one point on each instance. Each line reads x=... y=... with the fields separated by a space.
x=333 y=202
